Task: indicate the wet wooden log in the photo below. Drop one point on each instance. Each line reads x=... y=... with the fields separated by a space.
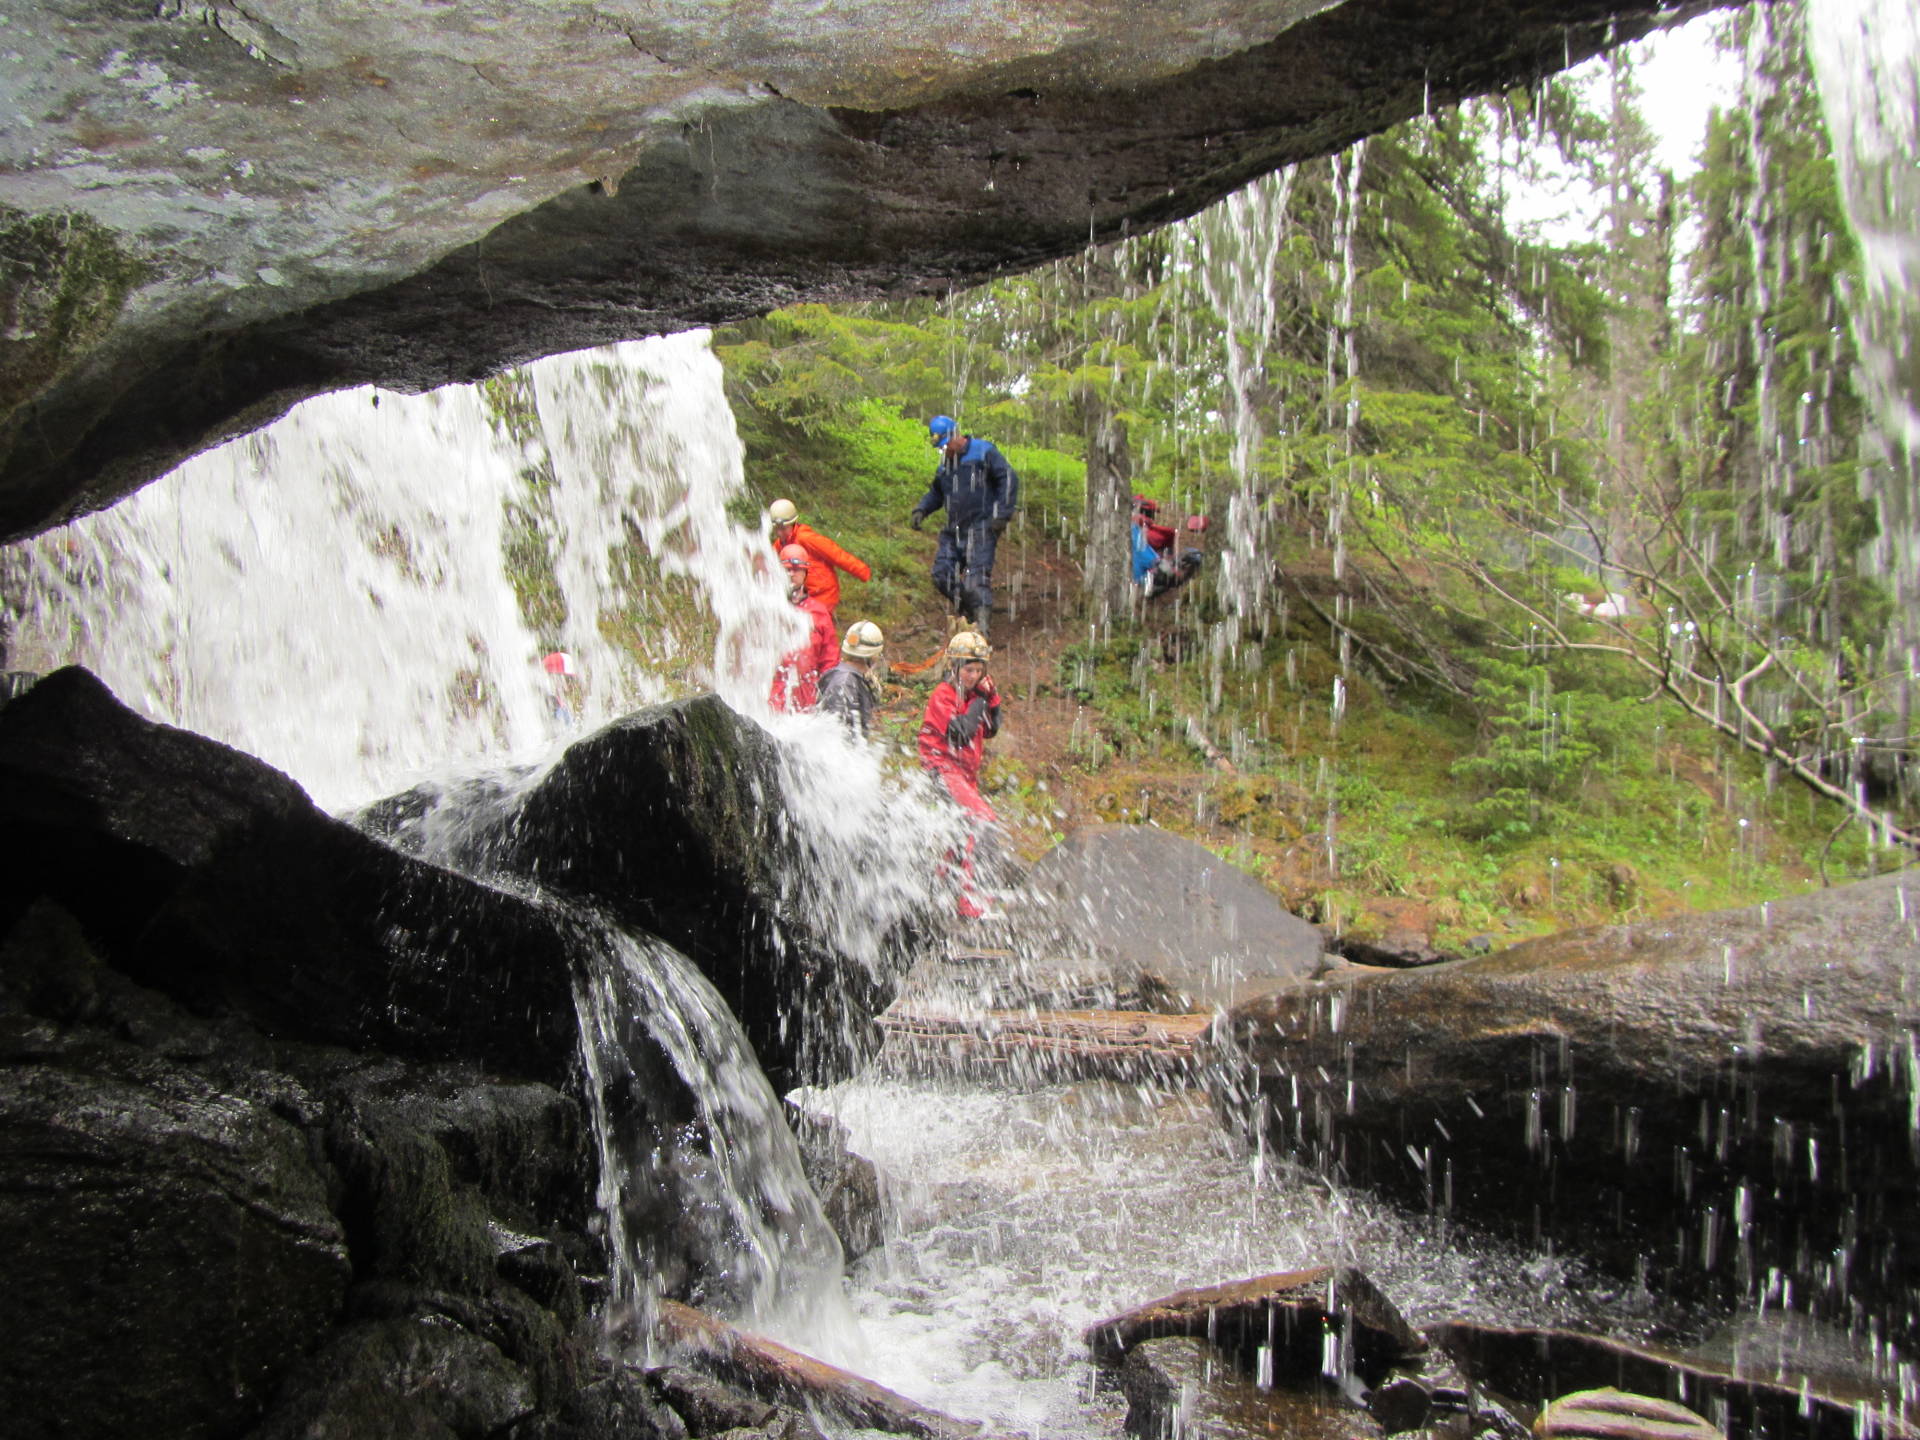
x=785 y=1376
x=1611 y=1414
x=1129 y=1043
x=1534 y=1365
x=1293 y=1316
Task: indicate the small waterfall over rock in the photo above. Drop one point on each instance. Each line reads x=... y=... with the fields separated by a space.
x=363 y=594
x=726 y=1182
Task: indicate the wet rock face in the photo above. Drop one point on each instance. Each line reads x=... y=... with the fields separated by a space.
x=210 y=876
x=170 y=1248
x=1721 y=1100
x=207 y=1228
x=216 y=210
x=671 y=819
x=292 y=1132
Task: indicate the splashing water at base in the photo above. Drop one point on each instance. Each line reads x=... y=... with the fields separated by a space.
x=1015 y=1220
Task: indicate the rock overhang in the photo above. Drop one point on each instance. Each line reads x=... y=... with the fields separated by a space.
x=279 y=199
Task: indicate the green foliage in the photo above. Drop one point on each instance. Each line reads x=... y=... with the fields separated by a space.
x=1534 y=749
x=1481 y=425
x=528 y=555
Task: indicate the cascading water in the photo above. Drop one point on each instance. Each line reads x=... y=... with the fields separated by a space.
x=364 y=591
x=725 y=1183
x=1866 y=55
x=1018 y=1215
x=322 y=595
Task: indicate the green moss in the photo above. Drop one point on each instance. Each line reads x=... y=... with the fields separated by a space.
x=64 y=279
x=528 y=546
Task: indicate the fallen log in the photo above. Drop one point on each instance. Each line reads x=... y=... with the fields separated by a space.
x=1120 y=1042
x=785 y=1376
x=1537 y=1365
x=1310 y=1322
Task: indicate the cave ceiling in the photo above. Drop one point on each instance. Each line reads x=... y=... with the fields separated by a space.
x=210 y=211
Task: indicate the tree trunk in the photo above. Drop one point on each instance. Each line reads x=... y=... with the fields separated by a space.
x=1106 y=578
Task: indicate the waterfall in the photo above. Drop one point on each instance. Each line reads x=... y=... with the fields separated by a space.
x=725 y=1182
x=1237 y=245
x=365 y=590
x=1866 y=58
x=363 y=594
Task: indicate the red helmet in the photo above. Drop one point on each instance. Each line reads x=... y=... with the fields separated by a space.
x=794 y=557
x=1145 y=506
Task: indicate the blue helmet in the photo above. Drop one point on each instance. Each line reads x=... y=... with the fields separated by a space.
x=941 y=429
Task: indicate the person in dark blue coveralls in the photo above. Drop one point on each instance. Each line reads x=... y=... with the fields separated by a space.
x=978 y=489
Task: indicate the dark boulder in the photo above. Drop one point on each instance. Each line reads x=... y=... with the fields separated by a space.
x=417 y=1376
x=847 y=1184
x=1738 y=1083
x=294 y=1129
x=672 y=820
x=211 y=876
x=170 y=1247
x=193 y=1212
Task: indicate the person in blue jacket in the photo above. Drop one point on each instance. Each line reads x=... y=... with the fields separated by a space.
x=1145 y=557
x=979 y=490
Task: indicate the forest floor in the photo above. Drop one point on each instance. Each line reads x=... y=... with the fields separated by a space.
x=1057 y=766
x=1348 y=822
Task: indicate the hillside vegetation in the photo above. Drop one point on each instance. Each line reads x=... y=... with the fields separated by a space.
x=1435 y=454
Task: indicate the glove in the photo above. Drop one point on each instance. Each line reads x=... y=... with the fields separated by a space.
x=916 y=520
x=999 y=523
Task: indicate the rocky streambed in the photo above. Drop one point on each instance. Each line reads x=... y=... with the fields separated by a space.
x=297 y=1135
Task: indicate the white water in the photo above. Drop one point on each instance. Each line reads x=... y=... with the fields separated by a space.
x=337 y=594
x=334 y=594
x=727 y=1181
x=1866 y=54
x=1016 y=1219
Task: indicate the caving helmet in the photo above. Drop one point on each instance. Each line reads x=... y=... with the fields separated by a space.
x=941 y=429
x=795 y=557
x=864 y=640
x=968 y=645
x=783 y=512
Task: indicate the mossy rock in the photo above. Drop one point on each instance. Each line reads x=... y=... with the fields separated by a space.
x=64 y=279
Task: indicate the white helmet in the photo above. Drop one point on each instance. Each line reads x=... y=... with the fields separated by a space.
x=968 y=645
x=782 y=512
x=864 y=640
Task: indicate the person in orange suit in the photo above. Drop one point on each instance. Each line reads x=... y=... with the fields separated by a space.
x=796 y=683
x=823 y=583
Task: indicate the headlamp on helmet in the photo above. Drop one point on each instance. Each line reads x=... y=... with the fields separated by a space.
x=863 y=640
x=968 y=645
